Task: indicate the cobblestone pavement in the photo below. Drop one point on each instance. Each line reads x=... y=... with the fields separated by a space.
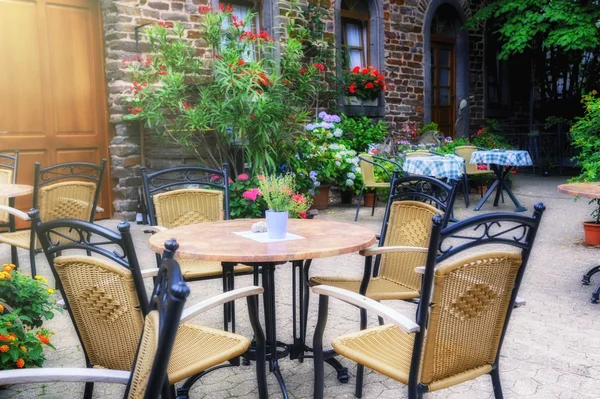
x=552 y=349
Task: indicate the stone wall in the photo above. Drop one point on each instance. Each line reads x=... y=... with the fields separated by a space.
x=403 y=48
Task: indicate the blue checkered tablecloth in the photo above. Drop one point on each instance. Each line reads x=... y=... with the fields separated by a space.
x=502 y=157
x=448 y=166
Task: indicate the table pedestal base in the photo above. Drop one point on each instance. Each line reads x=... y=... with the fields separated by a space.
x=499 y=186
x=586 y=281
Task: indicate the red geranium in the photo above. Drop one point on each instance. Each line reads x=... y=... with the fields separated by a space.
x=365 y=83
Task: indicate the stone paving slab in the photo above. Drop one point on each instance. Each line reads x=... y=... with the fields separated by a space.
x=552 y=349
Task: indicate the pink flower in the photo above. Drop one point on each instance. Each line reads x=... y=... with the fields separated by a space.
x=482 y=167
x=262 y=177
x=299 y=198
x=215 y=177
x=252 y=194
x=230 y=181
x=243 y=177
x=302 y=215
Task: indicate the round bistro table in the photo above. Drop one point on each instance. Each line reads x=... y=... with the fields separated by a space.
x=588 y=190
x=14 y=190
x=217 y=241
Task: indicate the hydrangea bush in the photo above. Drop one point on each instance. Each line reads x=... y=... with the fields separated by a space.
x=322 y=157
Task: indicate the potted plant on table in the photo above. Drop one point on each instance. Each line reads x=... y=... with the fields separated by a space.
x=585 y=136
x=362 y=86
x=282 y=202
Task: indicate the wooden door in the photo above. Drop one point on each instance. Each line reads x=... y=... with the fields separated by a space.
x=52 y=88
x=442 y=82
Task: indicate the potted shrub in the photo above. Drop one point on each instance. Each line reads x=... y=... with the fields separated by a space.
x=585 y=136
x=282 y=202
x=25 y=303
x=363 y=85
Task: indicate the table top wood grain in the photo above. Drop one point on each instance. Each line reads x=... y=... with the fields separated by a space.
x=589 y=190
x=216 y=241
x=14 y=190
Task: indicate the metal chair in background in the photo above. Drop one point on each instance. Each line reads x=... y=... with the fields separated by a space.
x=471 y=170
x=367 y=169
x=64 y=191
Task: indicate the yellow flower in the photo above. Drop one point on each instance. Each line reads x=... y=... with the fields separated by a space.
x=38 y=277
x=50 y=291
x=1 y=308
x=24 y=349
x=1 y=275
x=9 y=324
x=594 y=92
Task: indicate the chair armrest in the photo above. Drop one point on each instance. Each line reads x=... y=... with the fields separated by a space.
x=217 y=300
x=372 y=251
x=147 y=273
x=15 y=212
x=99 y=209
x=363 y=302
x=39 y=375
x=154 y=229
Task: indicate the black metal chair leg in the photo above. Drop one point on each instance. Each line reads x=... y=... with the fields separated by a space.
x=466 y=189
x=88 y=391
x=374 y=203
x=360 y=196
x=360 y=369
x=495 y=374
x=32 y=261
x=14 y=256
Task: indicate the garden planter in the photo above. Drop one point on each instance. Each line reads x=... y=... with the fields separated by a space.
x=592 y=233
x=346 y=197
x=353 y=100
x=276 y=224
x=369 y=199
x=321 y=199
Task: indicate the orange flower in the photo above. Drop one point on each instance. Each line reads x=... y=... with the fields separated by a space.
x=20 y=363
x=3 y=337
x=24 y=349
x=43 y=339
x=4 y=348
x=12 y=337
x=594 y=92
x=1 y=308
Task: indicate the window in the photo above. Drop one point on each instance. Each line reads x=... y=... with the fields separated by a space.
x=240 y=13
x=355 y=28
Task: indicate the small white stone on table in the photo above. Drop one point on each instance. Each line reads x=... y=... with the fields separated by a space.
x=259 y=227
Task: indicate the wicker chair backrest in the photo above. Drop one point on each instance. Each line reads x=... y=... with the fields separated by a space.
x=418 y=153
x=148 y=348
x=409 y=224
x=6 y=177
x=465 y=151
x=468 y=309
x=188 y=206
x=367 y=170
x=104 y=304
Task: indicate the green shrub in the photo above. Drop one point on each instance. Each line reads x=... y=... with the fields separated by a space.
x=361 y=131
x=585 y=135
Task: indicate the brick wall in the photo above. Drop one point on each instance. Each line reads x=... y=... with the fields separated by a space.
x=404 y=69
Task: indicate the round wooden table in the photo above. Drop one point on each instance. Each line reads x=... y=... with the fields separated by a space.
x=217 y=241
x=588 y=190
x=14 y=190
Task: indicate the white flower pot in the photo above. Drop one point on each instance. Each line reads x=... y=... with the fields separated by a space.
x=276 y=224
x=353 y=100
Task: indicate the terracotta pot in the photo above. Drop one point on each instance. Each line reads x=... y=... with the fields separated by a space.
x=346 y=197
x=592 y=233
x=321 y=199
x=369 y=199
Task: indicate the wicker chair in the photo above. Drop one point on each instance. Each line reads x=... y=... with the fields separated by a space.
x=172 y=202
x=419 y=153
x=367 y=163
x=471 y=170
x=106 y=297
x=63 y=191
x=462 y=317
x=8 y=175
x=152 y=350
x=407 y=225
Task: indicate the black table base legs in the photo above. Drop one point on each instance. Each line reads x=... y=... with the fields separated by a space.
x=586 y=281
x=499 y=186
